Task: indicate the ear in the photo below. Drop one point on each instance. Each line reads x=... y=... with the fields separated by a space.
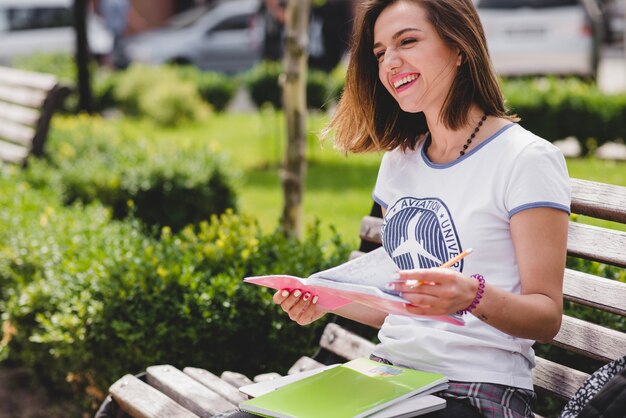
x=460 y=59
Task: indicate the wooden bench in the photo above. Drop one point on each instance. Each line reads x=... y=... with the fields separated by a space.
x=27 y=103
x=165 y=391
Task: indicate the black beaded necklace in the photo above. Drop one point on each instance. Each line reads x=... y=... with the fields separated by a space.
x=472 y=136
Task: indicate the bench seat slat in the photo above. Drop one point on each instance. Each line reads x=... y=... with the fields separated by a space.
x=599 y=200
x=187 y=391
x=140 y=400
x=236 y=379
x=598 y=244
x=303 y=364
x=590 y=340
x=556 y=378
x=22 y=96
x=217 y=385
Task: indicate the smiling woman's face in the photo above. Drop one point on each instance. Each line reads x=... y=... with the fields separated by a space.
x=414 y=64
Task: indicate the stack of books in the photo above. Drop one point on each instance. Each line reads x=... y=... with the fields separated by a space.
x=359 y=388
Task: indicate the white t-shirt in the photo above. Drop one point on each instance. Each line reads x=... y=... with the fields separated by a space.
x=435 y=211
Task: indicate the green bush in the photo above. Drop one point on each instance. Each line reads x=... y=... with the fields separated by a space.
x=215 y=88
x=61 y=65
x=262 y=84
x=87 y=299
x=160 y=94
x=318 y=94
x=164 y=183
x=103 y=83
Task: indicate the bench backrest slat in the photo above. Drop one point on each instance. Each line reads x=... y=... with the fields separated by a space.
x=22 y=96
x=12 y=153
x=370 y=229
x=599 y=200
x=596 y=292
x=19 y=114
x=597 y=244
x=344 y=343
x=30 y=79
x=27 y=103
x=16 y=133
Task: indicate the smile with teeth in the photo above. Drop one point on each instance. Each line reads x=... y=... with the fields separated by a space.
x=404 y=80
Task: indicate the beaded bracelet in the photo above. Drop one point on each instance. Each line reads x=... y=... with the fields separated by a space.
x=479 y=295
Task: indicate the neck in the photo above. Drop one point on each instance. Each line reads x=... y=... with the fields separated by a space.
x=446 y=144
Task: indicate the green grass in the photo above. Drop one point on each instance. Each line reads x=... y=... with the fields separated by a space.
x=338 y=187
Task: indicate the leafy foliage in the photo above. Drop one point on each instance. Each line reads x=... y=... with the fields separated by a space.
x=85 y=299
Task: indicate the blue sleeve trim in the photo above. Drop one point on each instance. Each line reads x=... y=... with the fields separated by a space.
x=553 y=205
x=379 y=201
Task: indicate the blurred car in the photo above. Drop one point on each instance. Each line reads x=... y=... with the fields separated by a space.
x=541 y=37
x=225 y=37
x=31 y=26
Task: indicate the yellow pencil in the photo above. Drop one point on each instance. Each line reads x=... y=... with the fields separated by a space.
x=453 y=260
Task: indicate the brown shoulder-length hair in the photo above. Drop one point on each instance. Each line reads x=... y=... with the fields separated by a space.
x=368 y=118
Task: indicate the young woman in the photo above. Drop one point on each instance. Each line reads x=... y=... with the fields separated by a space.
x=458 y=172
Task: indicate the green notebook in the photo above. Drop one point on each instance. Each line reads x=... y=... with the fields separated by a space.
x=356 y=389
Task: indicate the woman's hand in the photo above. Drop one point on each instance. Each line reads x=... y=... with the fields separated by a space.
x=301 y=307
x=436 y=291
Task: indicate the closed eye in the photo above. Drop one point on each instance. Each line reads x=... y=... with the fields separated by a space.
x=408 y=41
x=379 y=55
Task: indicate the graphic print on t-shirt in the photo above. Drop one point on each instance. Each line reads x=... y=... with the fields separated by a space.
x=420 y=233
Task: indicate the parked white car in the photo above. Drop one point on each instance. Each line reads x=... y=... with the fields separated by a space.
x=31 y=26
x=227 y=37
x=537 y=37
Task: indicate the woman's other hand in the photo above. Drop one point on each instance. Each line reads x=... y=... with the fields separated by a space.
x=436 y=291
x=300 y=306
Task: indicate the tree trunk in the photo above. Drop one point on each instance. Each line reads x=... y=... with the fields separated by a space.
x=82 y=56
x=294 y=100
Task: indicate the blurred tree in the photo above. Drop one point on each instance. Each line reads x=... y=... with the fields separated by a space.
x=293 y=81
x=82 y=56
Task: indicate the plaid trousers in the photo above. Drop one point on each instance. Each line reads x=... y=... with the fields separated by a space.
x=489 y=399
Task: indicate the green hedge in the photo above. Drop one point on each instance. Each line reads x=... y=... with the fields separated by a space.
x=557 y=108
x=85 y=299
